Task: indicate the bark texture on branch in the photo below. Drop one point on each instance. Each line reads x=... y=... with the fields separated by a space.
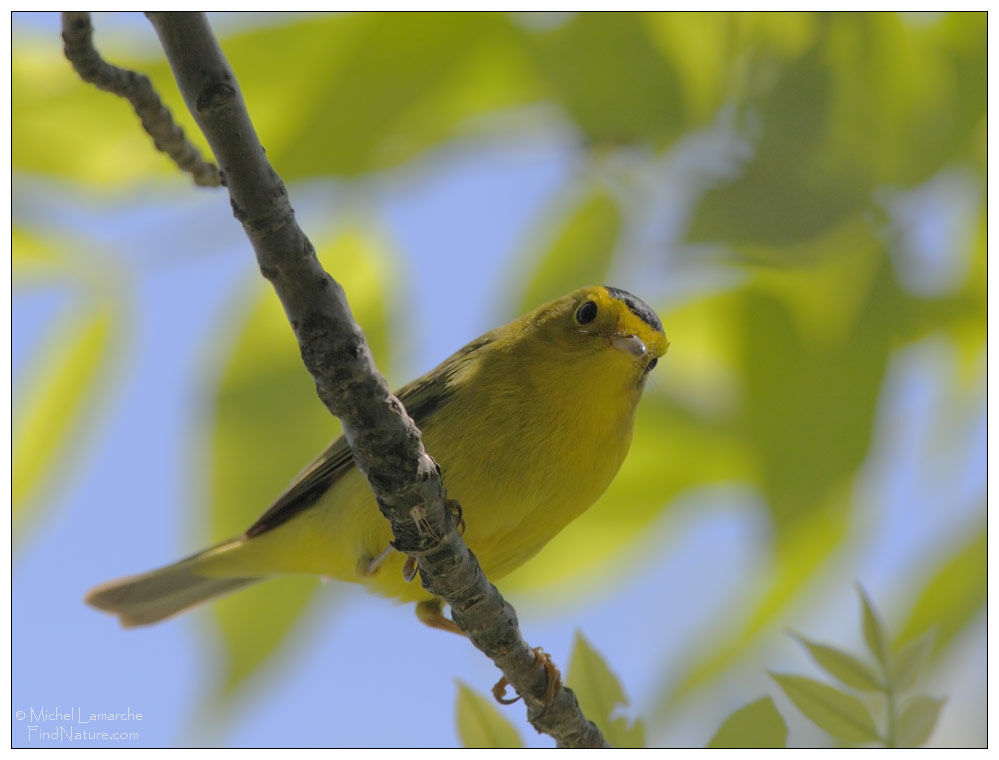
x=78 y=45
x=385 y=442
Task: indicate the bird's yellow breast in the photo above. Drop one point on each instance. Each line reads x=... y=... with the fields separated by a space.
x=522 y=470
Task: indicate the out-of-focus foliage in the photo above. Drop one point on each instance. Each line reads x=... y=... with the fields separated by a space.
x=939 y=606
x=755 y=726
x=68 y=372
x=601 y=696
x=105 y=148
x=776 y=371
x=480 y=723
x=580 y=252
x=605 y=73
x=873 y=100
x=840 y=714
x=846 y=716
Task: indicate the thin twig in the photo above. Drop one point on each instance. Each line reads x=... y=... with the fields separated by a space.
x=78 y=45
x=385 y=442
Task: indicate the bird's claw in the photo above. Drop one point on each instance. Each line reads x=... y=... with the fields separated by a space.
x=552 y=686
x=499 y=692
x=409 y=569
x=456 y=510
x=554 y=678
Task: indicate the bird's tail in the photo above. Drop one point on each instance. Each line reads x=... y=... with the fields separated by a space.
x=159 y=594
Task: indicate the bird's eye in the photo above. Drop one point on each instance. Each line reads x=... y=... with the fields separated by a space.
x=652 y=365
x=586 y=313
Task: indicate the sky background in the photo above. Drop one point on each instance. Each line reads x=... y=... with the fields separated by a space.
x=458 y=223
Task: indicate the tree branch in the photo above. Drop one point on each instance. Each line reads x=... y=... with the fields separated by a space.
x=78 y=45
x=384 y=440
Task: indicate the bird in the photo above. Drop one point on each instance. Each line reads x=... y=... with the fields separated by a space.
x=529 y=424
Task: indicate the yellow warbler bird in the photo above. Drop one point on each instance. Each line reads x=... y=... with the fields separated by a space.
x=529 y=423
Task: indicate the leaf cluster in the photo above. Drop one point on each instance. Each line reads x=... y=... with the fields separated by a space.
x=843 y=713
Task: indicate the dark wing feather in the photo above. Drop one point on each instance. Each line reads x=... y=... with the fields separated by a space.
x=421 y=398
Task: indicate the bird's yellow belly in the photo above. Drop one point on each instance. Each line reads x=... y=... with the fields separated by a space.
x=517 y=492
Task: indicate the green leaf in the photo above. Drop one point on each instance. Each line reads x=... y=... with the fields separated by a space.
x=874 y=633
x=600 y=694
x=938 y=605
x=907 y=664
x=34 y=260
x=917 y=721
x=785 y=194
x=268 y=424
x=580 y=253
x=838 y=713
x=842 y=666
x=52 y=402
x=480 y=724
x=68 y=129
x=802 y=412
x=407 y=80
x=715 y=54
x=756 y=725
x=827 y=124
x=813 y=386
x=607 y=74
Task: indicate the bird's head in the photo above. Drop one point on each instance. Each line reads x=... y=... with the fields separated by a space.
x=606 y=326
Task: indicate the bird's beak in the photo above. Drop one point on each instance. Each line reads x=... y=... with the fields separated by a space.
x=630 y=344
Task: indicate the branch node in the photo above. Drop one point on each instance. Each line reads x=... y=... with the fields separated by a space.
x=215 y=97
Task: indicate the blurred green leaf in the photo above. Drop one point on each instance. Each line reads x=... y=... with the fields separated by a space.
x=607 y=74
x=918 y=719
x=268 y=425
x=600 y=695
x=812 y=386
x=962 y=313
x=782 y=196
x=908 y=663
x=718 y=56
x=836 y=712
x=874 y=632
x=908 y=96
x=580 y=253
x=876 y=100
x=809 y=346
x=32 y=259
x=480 y=724
x=372 y=90
x=754 y=726
x=329 y=94
x=842 y=666
x=52 y=402
x=938 y=606
x=69 y=129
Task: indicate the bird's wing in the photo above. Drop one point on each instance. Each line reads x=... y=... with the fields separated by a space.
x=422 y=398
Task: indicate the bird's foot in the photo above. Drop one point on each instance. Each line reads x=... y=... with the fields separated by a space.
x=409 y=568
x=456 y=510
x=553 y=682
x=431 y=612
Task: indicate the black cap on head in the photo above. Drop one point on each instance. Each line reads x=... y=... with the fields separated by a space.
x=638 y=307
